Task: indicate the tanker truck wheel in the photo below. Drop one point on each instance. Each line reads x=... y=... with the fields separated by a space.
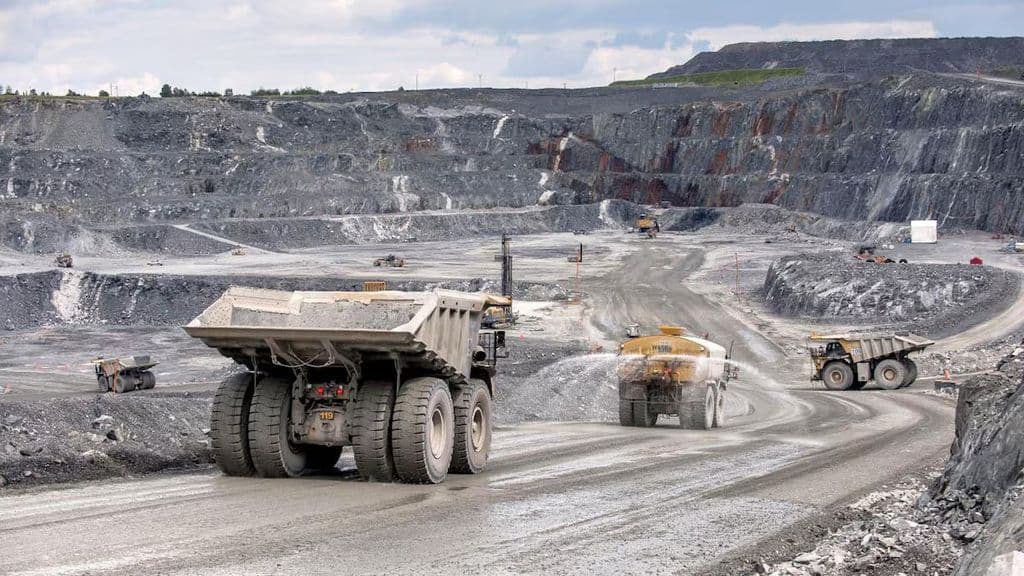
x=273 y=454
x=423 y=431
x=697 y=407
x=719 y=417
x=229 y=425
x=626 y=412
x=890 y=374
x=627 y=397
x=911 y=372
x=371 y=431
x=837 y=375
x=642 y=413
x=472 y=405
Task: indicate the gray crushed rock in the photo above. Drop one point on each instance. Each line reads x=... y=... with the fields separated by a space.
x=931 y=299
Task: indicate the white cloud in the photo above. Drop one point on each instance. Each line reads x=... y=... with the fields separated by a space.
x=631 y=62
x=444 y=74
x=721 y=36
x=134 y=85
x=5 y=20
x=344 y=45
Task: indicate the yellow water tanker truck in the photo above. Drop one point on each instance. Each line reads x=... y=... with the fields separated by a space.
x=672 y=374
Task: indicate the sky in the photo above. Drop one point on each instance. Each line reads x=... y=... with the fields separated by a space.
x=370 y=45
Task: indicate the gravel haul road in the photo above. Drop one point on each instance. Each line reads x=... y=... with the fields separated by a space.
x=556 y=498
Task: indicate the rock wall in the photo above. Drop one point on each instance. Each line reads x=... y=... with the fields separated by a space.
x=74 y=297
x=889 y=149
x=982 y=483
x=285 y=233
x=769 y=219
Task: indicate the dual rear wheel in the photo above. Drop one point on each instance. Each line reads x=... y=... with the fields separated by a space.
x=699 y=407
x=416 y=436
x=702 y=407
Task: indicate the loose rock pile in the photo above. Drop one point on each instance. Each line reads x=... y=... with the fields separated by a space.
x=74 y=439
x=895 y=538
x=932 y=299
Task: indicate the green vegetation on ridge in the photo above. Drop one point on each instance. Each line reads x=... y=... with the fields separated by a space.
x=723 y=77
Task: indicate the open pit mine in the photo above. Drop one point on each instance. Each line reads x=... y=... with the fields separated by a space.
x=770 y=326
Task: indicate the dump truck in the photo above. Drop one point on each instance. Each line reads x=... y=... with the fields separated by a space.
x=390 y=261
x=850 y=361
x=647 y=224
x=63 y=260
x=125 y=374
x=672 y=374
x=405 y=378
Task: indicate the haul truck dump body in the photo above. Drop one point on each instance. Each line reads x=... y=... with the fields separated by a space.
x=849 y=361
x=673 y=374
x=402 y=377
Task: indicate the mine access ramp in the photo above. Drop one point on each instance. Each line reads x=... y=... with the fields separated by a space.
x=405 y=378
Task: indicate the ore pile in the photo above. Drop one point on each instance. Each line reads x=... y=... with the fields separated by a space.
x=930 y=299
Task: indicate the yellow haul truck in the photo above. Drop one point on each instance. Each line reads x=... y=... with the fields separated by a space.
x=669 y=373
x=849 y=361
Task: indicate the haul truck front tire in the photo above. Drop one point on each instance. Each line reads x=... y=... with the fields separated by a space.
x=229 y=425
x=423 y=431
x=837 y=375
x=273 y=454
x=473 y=413
x=371 y=431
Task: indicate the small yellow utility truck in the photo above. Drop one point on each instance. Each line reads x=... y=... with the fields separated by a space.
x=672 y=374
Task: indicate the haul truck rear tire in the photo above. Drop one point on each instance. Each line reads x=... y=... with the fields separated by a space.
x=911 y=372
x=697 y=407
x=273 y=454
x=837 y=375
x=229 y=425
x=890 y=374
x=473 y=416
x=371 y=431
x=423 y=431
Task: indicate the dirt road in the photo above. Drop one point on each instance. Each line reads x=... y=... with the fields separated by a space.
x=557 y=498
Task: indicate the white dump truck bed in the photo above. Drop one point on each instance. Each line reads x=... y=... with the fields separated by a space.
x=435 y=330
